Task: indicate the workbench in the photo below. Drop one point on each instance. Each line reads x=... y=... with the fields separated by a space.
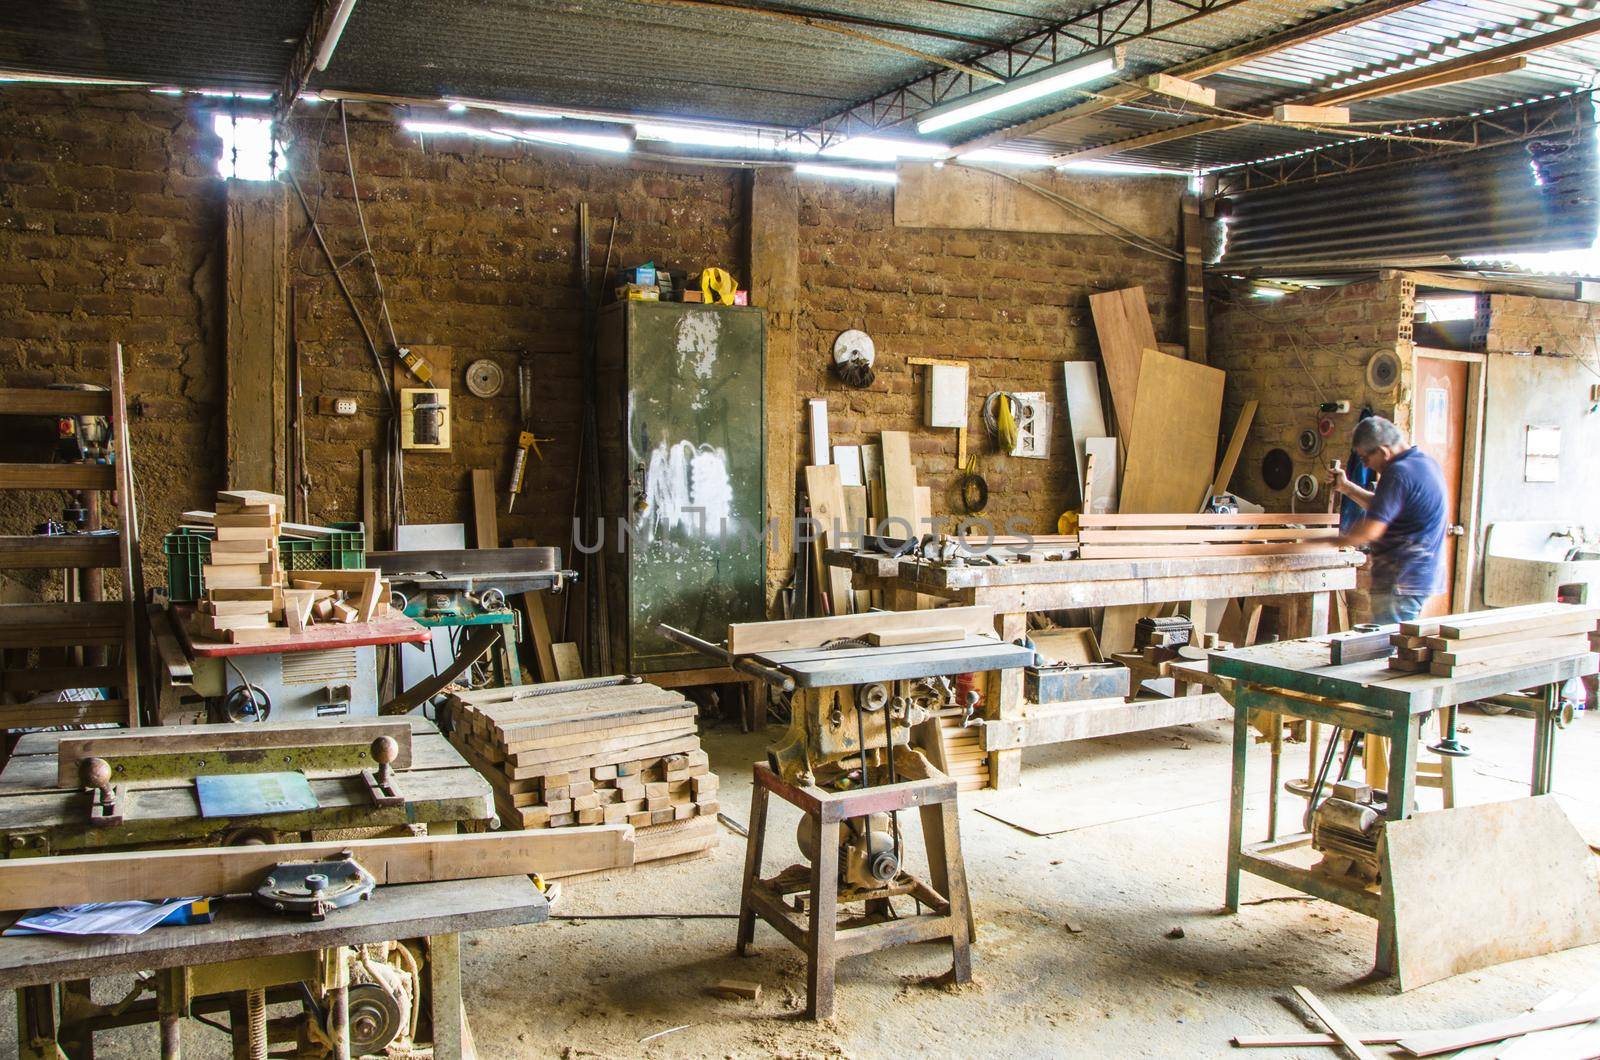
x=37 y=817
x=247 y=946
x=1013 y=589
x=1295 y=679
x=158 y=806
x=190 y=672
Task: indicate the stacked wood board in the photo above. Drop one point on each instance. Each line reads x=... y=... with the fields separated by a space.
x=1157 y=536
x=1461 y=645
x=249 y=595
x=568 y=753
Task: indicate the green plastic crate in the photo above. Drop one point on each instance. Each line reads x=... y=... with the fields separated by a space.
x=189 y=549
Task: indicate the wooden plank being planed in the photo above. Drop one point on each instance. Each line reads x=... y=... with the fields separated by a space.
x=925 y=635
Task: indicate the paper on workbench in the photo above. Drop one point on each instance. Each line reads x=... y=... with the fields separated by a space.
x=98 y=918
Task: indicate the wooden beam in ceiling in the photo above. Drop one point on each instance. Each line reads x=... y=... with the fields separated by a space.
x=1467 y=67
x=1132 y=91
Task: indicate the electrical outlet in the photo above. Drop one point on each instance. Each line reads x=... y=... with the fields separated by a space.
x=1335 y=407
x=337 y=406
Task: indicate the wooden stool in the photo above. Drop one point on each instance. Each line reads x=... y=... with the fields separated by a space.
x=817 y=930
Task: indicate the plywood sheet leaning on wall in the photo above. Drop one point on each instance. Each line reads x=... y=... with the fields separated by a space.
x=1122 y=323
x=1486 y=862
x=1172 y=440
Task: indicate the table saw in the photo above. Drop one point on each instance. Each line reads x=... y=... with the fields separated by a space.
x=95 y=791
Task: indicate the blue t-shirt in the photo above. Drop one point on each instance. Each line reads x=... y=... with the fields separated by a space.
x=1410 y=498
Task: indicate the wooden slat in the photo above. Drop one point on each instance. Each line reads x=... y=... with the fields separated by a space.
x=826 y=495
x=45 y=402
x=1178 y=519
x=43 y=715
x=483 y=512
x=57 y=678
x=35 y=551
x=57 y=477
x=1236 y=440
x=1178 y=551
x=157 y=874
x=131 y=564
x=746 y=638
x=899 y=483
x=1489 y=627
x=61 y=624
x=1202 y=536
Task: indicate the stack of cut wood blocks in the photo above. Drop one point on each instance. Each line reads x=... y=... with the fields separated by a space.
x=248 y=595
x=1484 y=641
x=244 y=580
x=563 y=754
x=1236 y=534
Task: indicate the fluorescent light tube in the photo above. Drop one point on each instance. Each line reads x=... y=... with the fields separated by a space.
x=1023 y=90
x=879 y=176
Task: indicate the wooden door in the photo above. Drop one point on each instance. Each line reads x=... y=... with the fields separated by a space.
x=1441 y=432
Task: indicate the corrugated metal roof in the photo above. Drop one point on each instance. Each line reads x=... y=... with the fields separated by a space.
x=1409 y=39
x=655 y=57
x=244 y=44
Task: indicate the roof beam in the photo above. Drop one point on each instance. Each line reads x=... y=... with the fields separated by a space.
x=827 y=24
x=303 y=63
x=1479 y=64
x=1100 y=28
x=1132 y=91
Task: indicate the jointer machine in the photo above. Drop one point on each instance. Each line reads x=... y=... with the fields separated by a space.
x=100 y=791
x=863 y=691
x=469 y=591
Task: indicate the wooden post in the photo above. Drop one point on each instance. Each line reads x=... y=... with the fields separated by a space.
x=774 y=255
x=1194 y=279
x=257 y=388
x=1005 y=702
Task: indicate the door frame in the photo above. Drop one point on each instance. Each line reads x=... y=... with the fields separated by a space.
x=1471 y=466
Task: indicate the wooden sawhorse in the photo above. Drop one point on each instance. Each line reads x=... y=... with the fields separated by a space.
x=817 y=931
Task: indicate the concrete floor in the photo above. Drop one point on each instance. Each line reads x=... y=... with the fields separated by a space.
x=1148 y=859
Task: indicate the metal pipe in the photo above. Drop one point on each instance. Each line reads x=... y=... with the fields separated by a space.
x=770 y=674
x=339 y=1021
x=330 y=40
x=171 y=1036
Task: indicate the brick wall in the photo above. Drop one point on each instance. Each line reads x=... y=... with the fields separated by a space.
x=111 y=226
x=110 y=230
x=1014 y=305
x=1293 y=353
x=1555 y=327
x=477 y=244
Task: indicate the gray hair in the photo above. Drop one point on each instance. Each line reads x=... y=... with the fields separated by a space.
x=1375 y=432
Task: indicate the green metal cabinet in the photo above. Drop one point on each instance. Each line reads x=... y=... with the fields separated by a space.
x=681 y=417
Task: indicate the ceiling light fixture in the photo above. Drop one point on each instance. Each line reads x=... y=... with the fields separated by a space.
x=878 y=176
x=330 y=41
x=590 y=141
x=1026 y=89
x=883 y=149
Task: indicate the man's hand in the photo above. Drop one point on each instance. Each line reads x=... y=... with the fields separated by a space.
x=1338 y=481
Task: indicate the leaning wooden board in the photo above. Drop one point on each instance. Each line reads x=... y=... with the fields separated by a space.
x=1172 y=440
x=1122 y=324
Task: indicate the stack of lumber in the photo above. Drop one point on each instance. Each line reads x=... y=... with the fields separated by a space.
x=248 y=595
x=564 y=754
x=244 y=580
x=1158 y=536
x=1483 y=641
x=964 y=757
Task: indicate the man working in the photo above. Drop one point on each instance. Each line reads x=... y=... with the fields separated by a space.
x=1404 y=527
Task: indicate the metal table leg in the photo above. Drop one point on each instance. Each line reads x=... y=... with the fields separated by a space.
x=1404 y=739
x=1544 y=739
x=1241 y=747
